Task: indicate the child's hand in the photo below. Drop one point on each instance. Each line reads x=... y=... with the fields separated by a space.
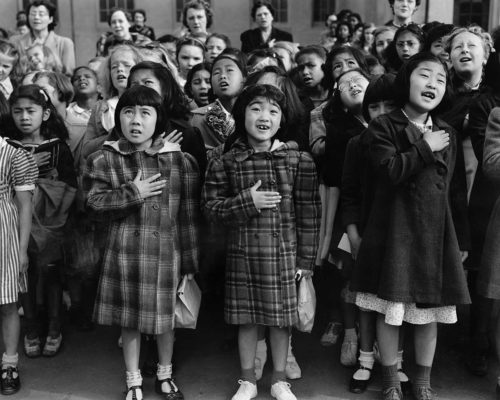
x=355 y=242
x=189 y=277
x=174 y=137
x=264 y=199
x=42 y=158
x=149 y=187
x=464 y=254
x=23 y=262
x=437 y=140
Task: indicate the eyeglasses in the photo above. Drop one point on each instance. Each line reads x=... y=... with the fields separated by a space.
x=357 y=80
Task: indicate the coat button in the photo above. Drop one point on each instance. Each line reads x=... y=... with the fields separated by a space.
x=269 y=157
x=272 y=182
x=156 y=206
x=136 y=233
x=276 y=234
x=156 y=234
x=440 y=185
x=441 y=171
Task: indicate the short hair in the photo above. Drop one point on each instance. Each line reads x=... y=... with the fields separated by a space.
x=344 y=14
x=51 y=8
x=198 y=5
x=189 y=42
x=438 y=31
x=235 y=55
x=484 y=36
x=391 y=3
x=380 y=88
x=259 y=4
x=60 y=82
x=117 y=9
x=220 y=36
x=402 y=81
x=412 y=28
x=139 y=11
x=320 y=51
x=19 y=13
x=204 y=66
x=142 y=96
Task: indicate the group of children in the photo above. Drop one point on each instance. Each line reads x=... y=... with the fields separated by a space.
x=356 y=167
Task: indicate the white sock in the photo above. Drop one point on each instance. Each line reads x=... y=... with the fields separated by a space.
x=134 y=378
x=10 y=361
x=402 y=376
x=164 y=372
x=366 y=359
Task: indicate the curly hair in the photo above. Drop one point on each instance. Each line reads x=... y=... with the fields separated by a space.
x=198 y=5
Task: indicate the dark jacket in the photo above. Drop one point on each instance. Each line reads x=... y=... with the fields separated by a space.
x=410 y=252
x=252 y=39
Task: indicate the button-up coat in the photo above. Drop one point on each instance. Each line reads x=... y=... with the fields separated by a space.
x=266 y=247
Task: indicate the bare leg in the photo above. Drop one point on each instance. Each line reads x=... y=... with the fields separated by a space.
x=10 y=328
x=367 y=330
x=387 y=336
x=247 y=345
x=279 y=347
x=165 y=343
x=131 y=348
x=425 y=344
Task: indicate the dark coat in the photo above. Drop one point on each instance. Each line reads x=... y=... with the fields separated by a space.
x=489 y=273
x=266 y=247
x=252 y=39
x=410 y=252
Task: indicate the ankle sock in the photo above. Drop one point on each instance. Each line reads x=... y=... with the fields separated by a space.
x=402 y=375
x=390 y=377
x=278 y=376
x=350 y=335
x=366 y=360
x=10 y=361
x=134 y=378
x=422 y=376
x=164 y=372
x=248 y=375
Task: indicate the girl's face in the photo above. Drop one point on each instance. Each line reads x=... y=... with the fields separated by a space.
x=262 y=121
x=437 y=48
x=404 y=9
x=382 y=41
x=227 y=79
x=28 y=116
x=39 y=18
x=138 y=125
x=188 y=57
x=139 y=19
x=352 y=87
x=263 y=17
x=120 y=64
x=285 y=57
x=196 y=20
x=44 y=83
x=358 y=33
x=467 y=53
x=343 y=62
x=368 y=35
x=119 y=25
x=84 y=82
x=343 y=32
x=380 y=107
x=146 y=77
x=6 y=66
x=310 y=70
x=200 y=85
x=407 y=45
x=214 y=46
x=427 y=86
x=36 y=58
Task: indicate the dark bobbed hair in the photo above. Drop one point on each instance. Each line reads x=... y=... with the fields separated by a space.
x=189 y=42
x=142 y=96
x=438 y=31
x=402 y=81
x=139 y=11
x=237 y=56
x=414 y=29
x=380 y=88
x=198 y=5
x=204 y=66
x=247 y=95
x=320 y=51
x=51 y=8
x=343 y=14
x=343 y=23
x=391 y=53
x=358 y=55
x=128 y=16
x=175 y=102
x=262 y=3
x=54 y=127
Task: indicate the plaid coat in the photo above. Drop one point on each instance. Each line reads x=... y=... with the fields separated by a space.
x=264 y=248
x=150 y=242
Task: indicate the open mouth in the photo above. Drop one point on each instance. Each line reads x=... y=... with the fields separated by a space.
x=356 y=92
x=121 y=77
x=223 y=85
x=135 y=132
x=307 y=80
x=465 y=59
x=83 y=85
x=429 y=95
x=263 y=127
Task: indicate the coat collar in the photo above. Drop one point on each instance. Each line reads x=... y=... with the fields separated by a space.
x=241 y=150
x=124 y=147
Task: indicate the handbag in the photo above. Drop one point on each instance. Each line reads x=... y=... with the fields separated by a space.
x=187 y=305
x=306 y=305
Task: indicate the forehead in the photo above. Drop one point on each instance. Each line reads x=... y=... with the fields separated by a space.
x=467 y=37
x=43 y=81
x=35 y=49
x=269 y=78
x=224 y=63
x=432 y=66
x=84 y=71
x=143 y=74
x=216 y=41
x=23 y=102
x=118 y=15
x=122 y=55
x=406 y=36
x=350 y=75
x=263 y=100
x=262 y=10
x=202 y=73
x=190 y=49
x=39 y=9
x=192 y=12
x=343 y=57
x=309 y=57
x=4 y=58
x=389 y=34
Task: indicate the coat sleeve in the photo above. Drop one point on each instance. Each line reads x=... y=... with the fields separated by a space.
x=104 y=202
x=491 y=157
x=396 y=165
x=317 y=132
x=478 y=118
x=350 y=192
x=189 y=215
x=219 y=204
x=307 y=206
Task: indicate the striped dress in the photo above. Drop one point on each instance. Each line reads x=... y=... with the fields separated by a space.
x=18 y=172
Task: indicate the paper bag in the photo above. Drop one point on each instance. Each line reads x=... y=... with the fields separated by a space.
x=306 y=305
x=187 y=305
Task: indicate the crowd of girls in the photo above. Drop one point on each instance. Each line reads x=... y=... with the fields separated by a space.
x=367 y=163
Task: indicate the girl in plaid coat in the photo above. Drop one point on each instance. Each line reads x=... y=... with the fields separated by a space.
x=147 y=191
x=266 y=192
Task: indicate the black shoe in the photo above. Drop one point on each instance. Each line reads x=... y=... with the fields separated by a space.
x=406 y=388
x=174 y=394
x=10 y=382
x=358 y=386
x=134 y=390
x=477 y=364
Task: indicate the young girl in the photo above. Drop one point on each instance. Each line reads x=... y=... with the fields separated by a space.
x=198 y=86
x=215 y=44
x=38 y=128
x=259 y=187
x=343 y=33
x=18 y=173
x=409 y=264
x=382 y=37
x=408 y=41
x=9 y=59
x=41 y=58
x=189 y=53
x=146 y=190
x=310 y=60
